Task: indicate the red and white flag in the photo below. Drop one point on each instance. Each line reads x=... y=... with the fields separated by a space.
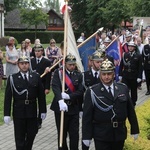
x=71 y=44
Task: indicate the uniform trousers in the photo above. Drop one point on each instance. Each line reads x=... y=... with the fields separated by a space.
x=147 y=76
x=71 y=126
x=25 y=130
x=108 y=145
x=132 y=85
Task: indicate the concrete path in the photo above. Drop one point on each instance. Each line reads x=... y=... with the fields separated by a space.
x=46 y=139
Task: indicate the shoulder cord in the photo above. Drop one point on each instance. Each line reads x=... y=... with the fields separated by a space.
x=94 y=96
x=145 y=54
x=13 y=87
x=83 y=82
x=126 y=64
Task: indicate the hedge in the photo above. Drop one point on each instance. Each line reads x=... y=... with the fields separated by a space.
x=44 y=36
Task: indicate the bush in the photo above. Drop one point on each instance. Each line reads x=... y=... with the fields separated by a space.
x=142 y=143
x=44 y=36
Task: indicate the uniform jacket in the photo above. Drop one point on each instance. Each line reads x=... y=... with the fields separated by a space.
x=75 y=97
x=36 y=93
x=89 y=79
x=40 y=68
x=134 y=70
x=97 y=123
x=146 y=57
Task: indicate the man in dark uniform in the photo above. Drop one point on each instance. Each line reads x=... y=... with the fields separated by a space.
x=26 y=89
x=39 y=64
x=91 y=76
x=106 y=107
x=130 y=70
x=68 y=101
x=146 y=62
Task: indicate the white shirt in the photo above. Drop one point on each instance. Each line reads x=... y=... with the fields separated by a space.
x=112 y=88
x=27 y=75
x=38 y=59
x=140 y=47
x=93 y=72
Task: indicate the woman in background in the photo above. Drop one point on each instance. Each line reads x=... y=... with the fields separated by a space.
x=53 y=53
x=11 y=60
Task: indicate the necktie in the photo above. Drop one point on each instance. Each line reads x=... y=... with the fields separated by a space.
x=70 y=74
x=38 y=61
x=110 y=93
x=25 y=78
x=95 y=77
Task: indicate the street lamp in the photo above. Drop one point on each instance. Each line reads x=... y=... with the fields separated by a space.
x=1 y=14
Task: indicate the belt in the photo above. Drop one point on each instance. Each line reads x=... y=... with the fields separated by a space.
x=129 y=70
x=68 y=102
x=114 y=124
x=26 y=102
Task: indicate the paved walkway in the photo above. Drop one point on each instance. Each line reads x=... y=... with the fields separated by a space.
x=46 y=139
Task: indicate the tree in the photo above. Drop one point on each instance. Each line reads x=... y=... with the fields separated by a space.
x=34 y=15
x=141 y=8
x=78 y=15
x=52 y=4
x=114 y=16
x=10 y=4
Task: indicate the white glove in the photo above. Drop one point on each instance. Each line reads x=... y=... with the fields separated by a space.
x=87 y=142
x=135 y=136
x=43 y=116
x=65 y=95
x=139 y=80
x=80 y=114
x=120 y=78
x=62 y=105
x=7 y=119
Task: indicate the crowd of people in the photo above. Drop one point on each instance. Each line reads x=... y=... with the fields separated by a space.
x=93 y=95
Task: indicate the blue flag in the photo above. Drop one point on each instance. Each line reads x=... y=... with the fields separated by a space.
x=86 y=50
x=114 y=51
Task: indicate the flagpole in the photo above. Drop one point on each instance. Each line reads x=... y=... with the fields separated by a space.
x=63 y=78
x=90 y=37
x=140 y=31
x=50 y=68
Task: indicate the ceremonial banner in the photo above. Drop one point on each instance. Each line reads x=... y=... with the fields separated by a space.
x=115 y=51
x=86 y=50
x=72 y=46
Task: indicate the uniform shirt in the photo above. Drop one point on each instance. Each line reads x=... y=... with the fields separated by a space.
x=107 y=88
x=93 y=72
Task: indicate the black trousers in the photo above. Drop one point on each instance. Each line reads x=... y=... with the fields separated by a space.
x=147 y=76
x=25 y=131
x=132 y=85
x=71 y=127
x=104 y=145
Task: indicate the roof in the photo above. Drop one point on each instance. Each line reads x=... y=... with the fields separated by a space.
x=13 y=21
x=54 y=12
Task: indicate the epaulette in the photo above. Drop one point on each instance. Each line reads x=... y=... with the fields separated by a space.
x=122 y=83
x=91 y=87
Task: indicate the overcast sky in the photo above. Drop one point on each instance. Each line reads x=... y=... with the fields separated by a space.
x=61 y=1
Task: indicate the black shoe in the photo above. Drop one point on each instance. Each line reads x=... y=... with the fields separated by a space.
x=147 y=93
